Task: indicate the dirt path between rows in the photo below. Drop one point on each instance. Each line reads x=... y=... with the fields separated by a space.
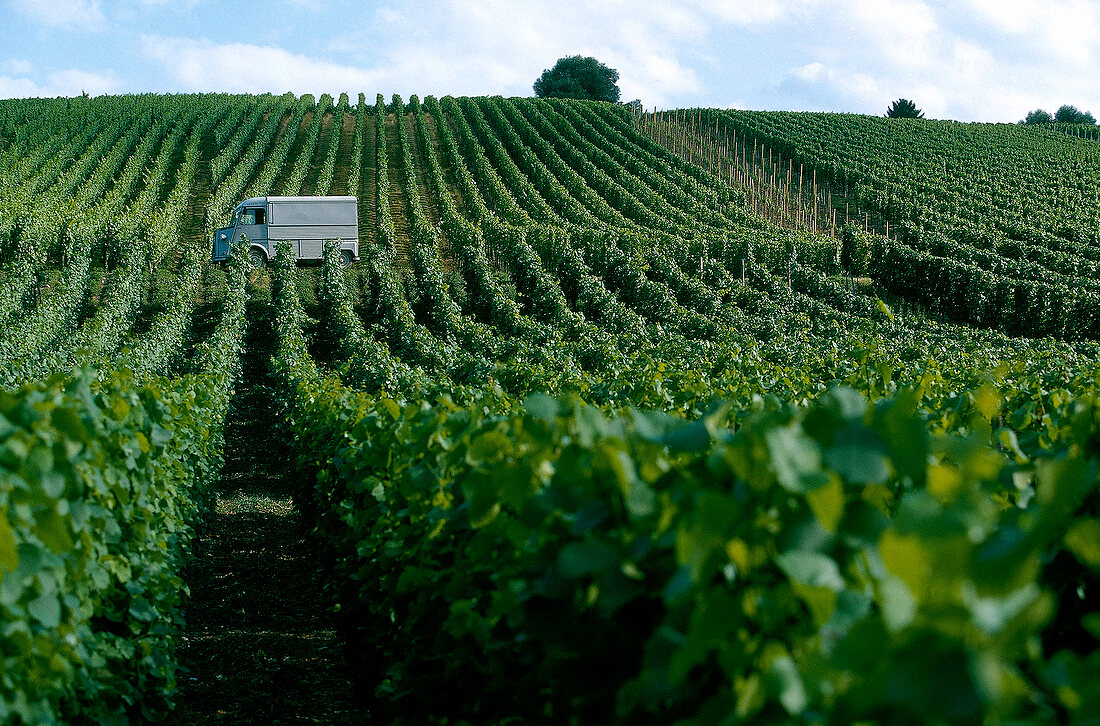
x=260 y=646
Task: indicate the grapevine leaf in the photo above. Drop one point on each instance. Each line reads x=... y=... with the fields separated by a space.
x=9 y=554
x=1083 y=540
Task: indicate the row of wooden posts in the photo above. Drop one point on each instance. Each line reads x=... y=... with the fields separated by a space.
x=769 y=188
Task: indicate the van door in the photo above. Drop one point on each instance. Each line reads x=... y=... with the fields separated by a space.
x=220 y=245
x=252 y=223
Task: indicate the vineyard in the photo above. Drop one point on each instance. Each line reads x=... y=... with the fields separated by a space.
x=683 y=417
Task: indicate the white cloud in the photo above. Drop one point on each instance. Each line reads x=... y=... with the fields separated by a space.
x=752 y=12
x=1066 y=30
x=71 y=82
x=961 y=79
x=953 y=62
x=428 y=70
x=1072 y=31
x=905 y=32
x=18 y=66
x=68 y=14
x=974 y=59
x=854 y=86
x=647 y=41
x=654 y=78
x=388 y=15
x=176 y=4
x=811 y=72
x=672 y=21
x=199 y=65
x=970 y=61
x=21 y=88
x=501 y=46
x=1011 y=16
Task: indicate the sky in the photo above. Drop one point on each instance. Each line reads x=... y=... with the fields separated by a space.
x=968 y=60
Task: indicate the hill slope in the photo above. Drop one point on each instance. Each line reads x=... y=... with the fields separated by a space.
x=610 y=420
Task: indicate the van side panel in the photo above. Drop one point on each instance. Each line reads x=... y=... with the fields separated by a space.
x=313 y=231
x=311 y=249
x=307 y=222
x=315 y=211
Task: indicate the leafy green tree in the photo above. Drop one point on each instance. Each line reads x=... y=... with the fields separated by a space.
x=1038 y=116
x=904 y=108
x=1070 y=115
x=579 y=77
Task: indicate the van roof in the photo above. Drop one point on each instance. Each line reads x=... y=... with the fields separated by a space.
x=258 y=201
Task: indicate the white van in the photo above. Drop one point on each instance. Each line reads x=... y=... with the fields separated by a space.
x=305 y=222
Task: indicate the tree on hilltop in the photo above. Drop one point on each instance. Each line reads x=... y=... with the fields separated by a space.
x=579 y=77
x=1067 y=114
x=904 y=108
x=1070 y=115
x=1038 y=116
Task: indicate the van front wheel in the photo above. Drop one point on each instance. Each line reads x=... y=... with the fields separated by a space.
x=256 y=259
x=346 y=258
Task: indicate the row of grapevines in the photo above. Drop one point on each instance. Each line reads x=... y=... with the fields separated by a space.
x=30 y=355
x=937 y=176
x=355 y=171
x=104 y=478
x=323 y=183
x=245 y=164
x=517 y=201
x=385 y=233
x=295 y=183
x=274 y=159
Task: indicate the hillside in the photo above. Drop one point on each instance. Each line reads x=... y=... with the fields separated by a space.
x=697 y=415
x=1009 y=209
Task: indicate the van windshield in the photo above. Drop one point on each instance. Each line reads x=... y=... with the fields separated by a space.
x=249 y=216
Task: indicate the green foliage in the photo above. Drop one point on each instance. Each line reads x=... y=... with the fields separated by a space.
x=1068 y=114
x=1065 y=114
x=659 y=462
x=904 y=108
x=959 y=240
x=579 y=77
x=102 y=481
x=102 y=477
x=856 y=249
x=833 y=557
x=1038 y=116
x=816 y=551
